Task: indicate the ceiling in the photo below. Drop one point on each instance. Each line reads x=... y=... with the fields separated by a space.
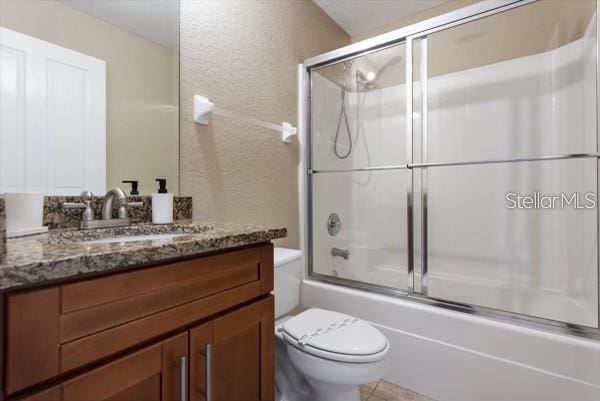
x=156 y=20
x=360 y=17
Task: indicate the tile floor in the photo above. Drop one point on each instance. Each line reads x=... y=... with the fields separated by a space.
x=386 y=391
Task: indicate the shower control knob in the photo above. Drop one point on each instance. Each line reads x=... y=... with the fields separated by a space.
x=334 y=224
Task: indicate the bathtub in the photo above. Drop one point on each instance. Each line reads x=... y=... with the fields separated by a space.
x=454 y=356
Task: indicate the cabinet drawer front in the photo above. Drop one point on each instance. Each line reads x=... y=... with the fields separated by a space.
x=92 y=306
x=94 y=319
x=90 y=293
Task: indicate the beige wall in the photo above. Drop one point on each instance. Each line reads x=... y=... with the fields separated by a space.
x=530 y=29
x=443 y=8
x=142 y=87
x=243 y=56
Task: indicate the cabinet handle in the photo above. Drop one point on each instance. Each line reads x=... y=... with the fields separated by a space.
x=183 y=378
x=208 y=372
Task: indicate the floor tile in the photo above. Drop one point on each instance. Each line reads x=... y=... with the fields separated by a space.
x=366 y=390
x=391 y=392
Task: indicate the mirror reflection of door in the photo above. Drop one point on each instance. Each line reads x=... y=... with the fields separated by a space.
x=67 y=126
x=52 y=119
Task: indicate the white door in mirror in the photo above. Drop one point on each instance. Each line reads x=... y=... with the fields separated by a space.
x=52 y=119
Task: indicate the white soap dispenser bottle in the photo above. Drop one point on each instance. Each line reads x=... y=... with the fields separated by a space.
x=162 y=204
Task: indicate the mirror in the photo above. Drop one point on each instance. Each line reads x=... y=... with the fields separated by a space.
x=89 y=95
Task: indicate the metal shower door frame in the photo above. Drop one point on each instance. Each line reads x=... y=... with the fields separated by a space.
x=419 y=164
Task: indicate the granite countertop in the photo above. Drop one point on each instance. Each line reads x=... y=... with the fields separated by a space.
x=63 y=254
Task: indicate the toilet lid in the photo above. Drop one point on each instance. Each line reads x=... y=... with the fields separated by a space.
x=335 y=335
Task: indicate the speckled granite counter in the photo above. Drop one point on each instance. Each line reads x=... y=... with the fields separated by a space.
x=63 y=254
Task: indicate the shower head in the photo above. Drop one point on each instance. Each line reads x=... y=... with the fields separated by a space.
x=369 y=79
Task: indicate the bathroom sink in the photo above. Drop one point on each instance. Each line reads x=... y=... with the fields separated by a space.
x=132 y=233
x=135 y=238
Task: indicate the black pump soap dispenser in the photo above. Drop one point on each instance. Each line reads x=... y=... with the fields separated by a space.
x=134 y=186
x=162 y=185
x=162 y=204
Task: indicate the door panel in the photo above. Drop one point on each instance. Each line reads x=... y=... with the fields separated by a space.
x=357 y=105
x=52 y=119
x=236 y=367
x=232 y=356
x=116 y=378
x=520 y=83
x=373 y=210
x=488 y=248
x=152 y=374
x=174 y=365
x=200 y=352
x=147 y=390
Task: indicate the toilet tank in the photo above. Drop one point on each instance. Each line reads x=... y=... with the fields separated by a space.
x=289 y=264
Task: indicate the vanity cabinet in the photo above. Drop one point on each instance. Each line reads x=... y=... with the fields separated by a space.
x=192 y=330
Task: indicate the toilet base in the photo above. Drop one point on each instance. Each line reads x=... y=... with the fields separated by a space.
x=333 y=392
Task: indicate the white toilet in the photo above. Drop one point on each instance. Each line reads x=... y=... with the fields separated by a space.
x=335 y=352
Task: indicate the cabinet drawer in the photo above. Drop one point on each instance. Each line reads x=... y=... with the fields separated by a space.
x=53 y=331
x=92 y=306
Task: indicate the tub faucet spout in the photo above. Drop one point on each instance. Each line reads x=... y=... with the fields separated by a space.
x=343 y=253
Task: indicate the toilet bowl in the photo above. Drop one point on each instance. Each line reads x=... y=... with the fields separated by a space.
x=335 y=352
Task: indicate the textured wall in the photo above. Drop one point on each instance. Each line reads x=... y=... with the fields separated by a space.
x=243 y=56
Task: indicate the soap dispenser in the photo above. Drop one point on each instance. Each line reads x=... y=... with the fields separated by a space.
x=162 y=204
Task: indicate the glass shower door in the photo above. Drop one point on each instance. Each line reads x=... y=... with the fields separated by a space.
x=359 y=178
x=506 y=166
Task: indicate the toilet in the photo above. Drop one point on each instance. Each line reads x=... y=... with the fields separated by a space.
x=335 y=352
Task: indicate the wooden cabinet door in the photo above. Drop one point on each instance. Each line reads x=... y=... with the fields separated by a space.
x=156 y=373
x=232 y=356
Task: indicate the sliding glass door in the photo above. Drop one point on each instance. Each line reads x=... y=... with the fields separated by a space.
x=507 y=145
x=359 y=177
x=459 y=163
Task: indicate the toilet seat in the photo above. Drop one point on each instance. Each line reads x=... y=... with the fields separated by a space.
x=335 y=336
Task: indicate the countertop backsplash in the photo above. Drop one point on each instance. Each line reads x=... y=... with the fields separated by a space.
x=55 y=216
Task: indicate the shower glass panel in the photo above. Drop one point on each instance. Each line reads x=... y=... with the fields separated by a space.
x=359 y=177
x=372 y=208
x=458 y=164
x=520 y=83
x=535 y=261
x=357 y=107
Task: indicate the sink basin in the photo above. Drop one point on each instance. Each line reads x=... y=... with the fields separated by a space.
x=125 y=234
x=134 y=238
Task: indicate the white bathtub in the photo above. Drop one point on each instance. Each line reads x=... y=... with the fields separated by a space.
x=453 y=356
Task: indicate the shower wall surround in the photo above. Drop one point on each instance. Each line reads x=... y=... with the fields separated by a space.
x=243 y=56
x=539 y=263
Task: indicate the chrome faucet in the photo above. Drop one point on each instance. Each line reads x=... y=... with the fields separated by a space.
x=114 y=195
x=343 y=253
x=107 y=204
